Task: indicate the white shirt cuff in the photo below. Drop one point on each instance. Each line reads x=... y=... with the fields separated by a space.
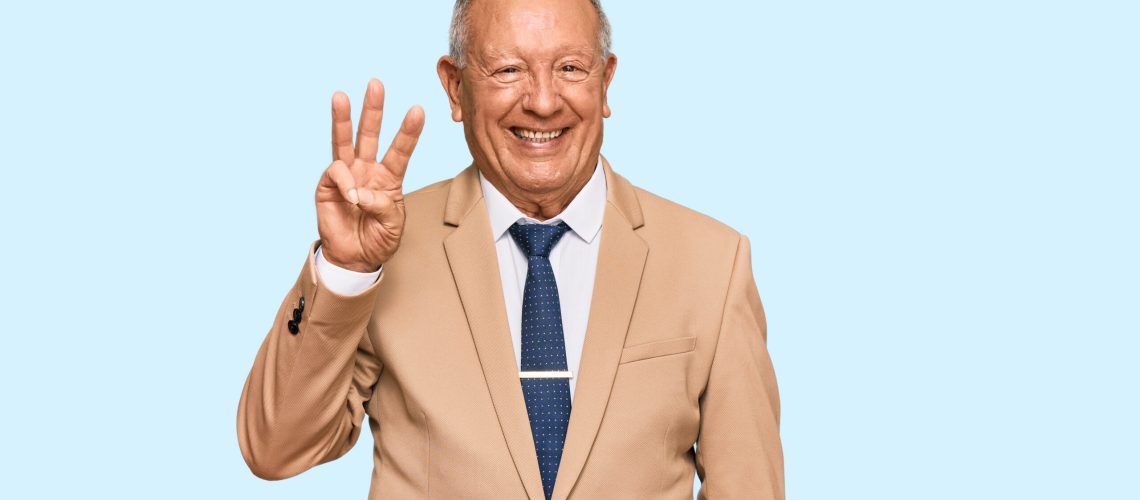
x=343 y=281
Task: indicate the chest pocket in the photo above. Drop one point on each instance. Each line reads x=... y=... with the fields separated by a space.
x=657 y=349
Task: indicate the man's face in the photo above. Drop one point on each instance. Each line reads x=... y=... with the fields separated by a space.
x=532 y=94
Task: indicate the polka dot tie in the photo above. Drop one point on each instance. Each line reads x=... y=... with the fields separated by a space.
x=543 y=348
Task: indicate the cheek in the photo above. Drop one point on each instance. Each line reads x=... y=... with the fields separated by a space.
x=585 y=100
x=493 y=105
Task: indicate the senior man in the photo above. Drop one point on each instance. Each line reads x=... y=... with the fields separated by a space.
x=535 y=327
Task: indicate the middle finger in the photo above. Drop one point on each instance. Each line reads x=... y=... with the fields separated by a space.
x=368 y=136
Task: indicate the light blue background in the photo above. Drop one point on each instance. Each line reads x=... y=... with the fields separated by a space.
x=942 y=199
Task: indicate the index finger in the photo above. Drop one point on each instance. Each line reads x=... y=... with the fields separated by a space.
x=396 y=159
x=368 y=135
x=341 y=128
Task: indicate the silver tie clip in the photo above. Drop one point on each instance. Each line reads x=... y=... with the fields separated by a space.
x=547 y=374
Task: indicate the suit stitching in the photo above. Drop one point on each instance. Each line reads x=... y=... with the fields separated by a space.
x=723 y=311
x=664 y=459
x=300 y=340
x=427 y=454
x=300 y=292
x=716 y=346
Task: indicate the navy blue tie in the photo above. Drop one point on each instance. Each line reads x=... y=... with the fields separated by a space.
x=543 y=348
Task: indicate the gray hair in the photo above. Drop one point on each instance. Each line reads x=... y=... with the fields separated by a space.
x=458 y=38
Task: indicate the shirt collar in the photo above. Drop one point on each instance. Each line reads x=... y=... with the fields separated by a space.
x=583 y=214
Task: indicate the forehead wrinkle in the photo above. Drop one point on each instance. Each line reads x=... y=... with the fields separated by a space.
x=498 y=53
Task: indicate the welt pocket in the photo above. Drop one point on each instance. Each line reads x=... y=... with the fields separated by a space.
x=657 y=349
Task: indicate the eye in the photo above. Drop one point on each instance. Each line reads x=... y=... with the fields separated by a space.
x=509 y=74
x=570 y=68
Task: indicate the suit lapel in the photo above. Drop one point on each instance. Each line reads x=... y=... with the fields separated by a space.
x=621 y=261
x=474 y=265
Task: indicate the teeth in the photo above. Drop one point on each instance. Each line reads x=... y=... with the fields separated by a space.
x=536 y=136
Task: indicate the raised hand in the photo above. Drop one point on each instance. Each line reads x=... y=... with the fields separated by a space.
x=360 y=202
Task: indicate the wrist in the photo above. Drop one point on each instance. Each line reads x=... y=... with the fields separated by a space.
x=355 y=266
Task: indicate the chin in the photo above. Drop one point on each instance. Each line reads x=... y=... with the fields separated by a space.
x=541 y=177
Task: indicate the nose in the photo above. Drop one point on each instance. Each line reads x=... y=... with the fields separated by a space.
x=543 y=97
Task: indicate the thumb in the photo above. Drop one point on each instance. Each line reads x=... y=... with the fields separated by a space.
x=380 y=206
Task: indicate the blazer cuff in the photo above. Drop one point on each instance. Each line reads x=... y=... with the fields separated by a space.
x=329 y=307
x=340 y=280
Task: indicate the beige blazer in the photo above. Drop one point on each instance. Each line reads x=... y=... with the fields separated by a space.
x=675 y=354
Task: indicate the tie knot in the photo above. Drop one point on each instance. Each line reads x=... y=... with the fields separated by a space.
x=537 y=239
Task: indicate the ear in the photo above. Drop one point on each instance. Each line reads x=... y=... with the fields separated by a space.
x=450 y=77
x=607 y=77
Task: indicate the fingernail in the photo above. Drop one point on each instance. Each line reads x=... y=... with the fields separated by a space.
x=366 y=198
x=352 y=197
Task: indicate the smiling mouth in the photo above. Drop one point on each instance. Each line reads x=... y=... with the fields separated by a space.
x=537 y=136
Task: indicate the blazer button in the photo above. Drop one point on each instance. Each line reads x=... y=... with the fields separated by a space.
x=297 y=315
x=293 y=327
x=301 y=304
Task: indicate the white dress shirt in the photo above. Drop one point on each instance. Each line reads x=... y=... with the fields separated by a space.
x=573 y=259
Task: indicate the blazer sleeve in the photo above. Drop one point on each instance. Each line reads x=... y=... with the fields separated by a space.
x=738 y=453
x=304 y=400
